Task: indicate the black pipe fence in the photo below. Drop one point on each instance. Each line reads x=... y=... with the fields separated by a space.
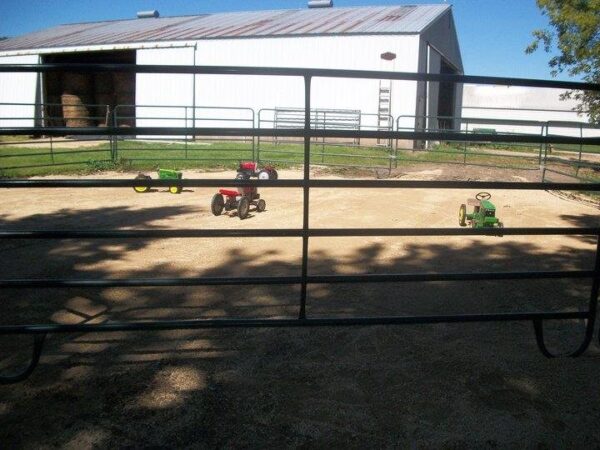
x=187 y=150
x=303 y=279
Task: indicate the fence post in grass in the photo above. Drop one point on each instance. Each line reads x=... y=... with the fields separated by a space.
x=580 y=149
x=115 y=148
x=546 y=148
x=186 y=136
x=323 y=144
x=541 y=146
x=465 y=146
x=51 y=150
x=254 y=138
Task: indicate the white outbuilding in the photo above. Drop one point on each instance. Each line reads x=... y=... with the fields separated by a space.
x=411 y=38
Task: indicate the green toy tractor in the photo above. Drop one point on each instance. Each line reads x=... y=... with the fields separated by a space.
x=163 y=174
x=483 y=215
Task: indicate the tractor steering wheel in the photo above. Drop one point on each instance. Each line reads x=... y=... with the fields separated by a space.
x=483 y=196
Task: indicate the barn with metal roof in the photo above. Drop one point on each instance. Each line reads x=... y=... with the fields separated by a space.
x=411 y=38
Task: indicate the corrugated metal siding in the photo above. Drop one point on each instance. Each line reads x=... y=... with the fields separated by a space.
x=256 y=92
x=366 y=20
x=18 y=88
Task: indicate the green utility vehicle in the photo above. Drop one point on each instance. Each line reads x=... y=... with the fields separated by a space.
x=483 y=215
x=163 y=174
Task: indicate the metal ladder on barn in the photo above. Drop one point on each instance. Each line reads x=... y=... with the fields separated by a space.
x=383 y=110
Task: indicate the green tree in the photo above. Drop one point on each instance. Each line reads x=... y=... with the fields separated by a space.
x=575 y=33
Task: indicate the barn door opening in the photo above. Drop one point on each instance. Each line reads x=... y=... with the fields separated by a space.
x=446 y=99
x=76 y=99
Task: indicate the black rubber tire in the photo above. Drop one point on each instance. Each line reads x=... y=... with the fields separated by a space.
x=274 y=174
x=243 y=207
x=217 y=204
x=462 y=215
x=500 y=225
x=142 y=189
x=175 y=189
x=261 y=205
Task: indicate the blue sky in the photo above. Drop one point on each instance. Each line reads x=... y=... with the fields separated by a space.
x=492 y=33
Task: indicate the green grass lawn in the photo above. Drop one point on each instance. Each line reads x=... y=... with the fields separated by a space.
x=65 y=157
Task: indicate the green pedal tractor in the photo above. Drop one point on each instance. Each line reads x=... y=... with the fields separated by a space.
x=483 y=215
x=163 y=174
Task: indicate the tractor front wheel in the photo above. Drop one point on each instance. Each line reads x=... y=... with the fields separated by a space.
x=243 y=207
x=175 y=189
x=217 y=204
x=261 y=205
x=462 y=215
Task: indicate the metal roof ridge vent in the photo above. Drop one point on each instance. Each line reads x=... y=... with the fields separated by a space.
x=152 y=14
x=320 y=3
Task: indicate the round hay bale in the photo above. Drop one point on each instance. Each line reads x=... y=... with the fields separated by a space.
x=77 y=83
x=75 y=110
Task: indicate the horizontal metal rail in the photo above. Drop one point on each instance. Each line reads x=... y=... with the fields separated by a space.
x=299 y=72
x=283 y=132
x=112 y=327
x=293 y=232
x=310 y=279
x=307 y=132
x=382 y=184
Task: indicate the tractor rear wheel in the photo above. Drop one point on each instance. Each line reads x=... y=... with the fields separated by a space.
x=261 y=205
x=243 y=207
x=217 y=204
x=462 y=215
x=142 y=189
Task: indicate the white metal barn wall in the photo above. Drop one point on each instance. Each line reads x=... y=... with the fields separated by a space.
x=164 y=89
x=480 y=101
x=18 y=88
x=330 y=52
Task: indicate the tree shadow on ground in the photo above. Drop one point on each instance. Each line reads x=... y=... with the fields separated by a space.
x=447 y=385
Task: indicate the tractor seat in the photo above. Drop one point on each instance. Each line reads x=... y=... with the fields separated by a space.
x=229 y=192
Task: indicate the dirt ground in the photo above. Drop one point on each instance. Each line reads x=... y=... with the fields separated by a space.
x=427 y=386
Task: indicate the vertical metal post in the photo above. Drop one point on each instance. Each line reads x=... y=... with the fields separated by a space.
x=114 y=138
x=323 y=144
x=546 y=148
x=580 y=149
x=51 y=150
x=186 y=136
x=258 y=137
x=541 y=146
x=466 y=134
x=306 y=189
x=254 y=157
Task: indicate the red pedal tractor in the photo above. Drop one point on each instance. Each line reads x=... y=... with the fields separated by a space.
x=228 y=199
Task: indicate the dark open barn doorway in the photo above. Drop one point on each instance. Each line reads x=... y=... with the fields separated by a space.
x=74 y=99
x=446 y=99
